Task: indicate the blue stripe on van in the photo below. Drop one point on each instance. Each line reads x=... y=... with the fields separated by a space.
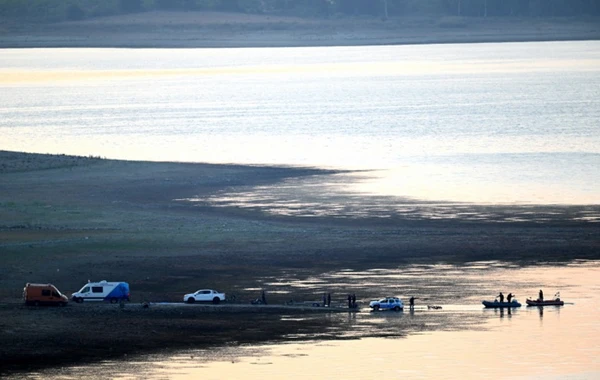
x=120 y=291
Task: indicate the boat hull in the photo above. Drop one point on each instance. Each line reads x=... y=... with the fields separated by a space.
x=496 y=304
x=545 y=303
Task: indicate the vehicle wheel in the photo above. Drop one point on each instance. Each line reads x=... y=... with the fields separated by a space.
x=396 y=308
x=191 y=300
x=216 y=300
x=113 y=300
x=376 y=307
x=78 y=300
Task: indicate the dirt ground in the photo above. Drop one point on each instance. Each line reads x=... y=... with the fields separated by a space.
x=216 y=29
x=66 y=220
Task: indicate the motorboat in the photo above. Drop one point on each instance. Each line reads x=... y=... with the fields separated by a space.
x=498 y=304
x=553 y=302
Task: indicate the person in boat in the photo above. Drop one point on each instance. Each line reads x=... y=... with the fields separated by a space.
x=509 y=297
x=501 y=296
x=541 y=296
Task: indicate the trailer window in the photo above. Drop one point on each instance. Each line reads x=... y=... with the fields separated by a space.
x=97 y=289
x=45 y=292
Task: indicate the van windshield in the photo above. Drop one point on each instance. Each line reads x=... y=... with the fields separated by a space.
x=85 y=289
x=56 y=292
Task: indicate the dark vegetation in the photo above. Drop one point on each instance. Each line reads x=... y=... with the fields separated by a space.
x=61 y=10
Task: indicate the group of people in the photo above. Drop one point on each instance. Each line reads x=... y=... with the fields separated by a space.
x=509 y=297
x=352 y=301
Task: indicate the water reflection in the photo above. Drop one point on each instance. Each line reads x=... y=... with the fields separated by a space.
x=345 y=195
x=461 y=338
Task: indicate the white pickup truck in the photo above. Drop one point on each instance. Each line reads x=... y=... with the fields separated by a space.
x=204 y=295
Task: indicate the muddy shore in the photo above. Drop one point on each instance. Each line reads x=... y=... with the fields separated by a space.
x=65 y=220
x=218 y=30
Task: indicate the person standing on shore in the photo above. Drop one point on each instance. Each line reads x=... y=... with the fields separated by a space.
x=263 y=297
x=411 y=302
x=353 y=300
x=349 y=301
x=328 y=299
x=541 y=295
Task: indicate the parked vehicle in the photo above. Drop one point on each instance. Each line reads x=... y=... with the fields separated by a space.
x=387 y=303
x=204 y=295
x=102 y=291
x=43 y=294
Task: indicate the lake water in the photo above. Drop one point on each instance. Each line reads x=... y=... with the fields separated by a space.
x=462 y=340
x=484 y=123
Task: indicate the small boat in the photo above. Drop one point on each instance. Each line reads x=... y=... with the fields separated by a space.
x=496 y=304
x=554 y=302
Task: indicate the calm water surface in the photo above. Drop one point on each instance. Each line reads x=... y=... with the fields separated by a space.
x=462 y=340
x=499 y=123
x=482 y=123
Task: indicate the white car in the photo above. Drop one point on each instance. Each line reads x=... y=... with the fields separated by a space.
x=204 y=295
x=387 y=303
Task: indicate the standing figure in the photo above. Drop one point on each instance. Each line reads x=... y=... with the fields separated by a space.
x=541 y=296
x=263 y=297
x=328 y=299
x=353 y=300
x=411 y=302
x=501 y=296
x=509 y=297
x=349 y=301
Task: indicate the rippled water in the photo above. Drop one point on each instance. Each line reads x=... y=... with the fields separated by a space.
x=512 y=122
x=462 y=340
x=497 y=123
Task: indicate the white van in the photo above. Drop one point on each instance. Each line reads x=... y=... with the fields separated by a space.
x=102 y=291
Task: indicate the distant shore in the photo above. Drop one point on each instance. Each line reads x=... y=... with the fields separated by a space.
x=214 y=30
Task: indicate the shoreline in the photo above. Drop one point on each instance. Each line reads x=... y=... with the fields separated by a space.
x=222 y=30
x=67 y=219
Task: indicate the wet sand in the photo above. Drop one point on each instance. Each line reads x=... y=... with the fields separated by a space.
x=216 y=29
x=66 y=220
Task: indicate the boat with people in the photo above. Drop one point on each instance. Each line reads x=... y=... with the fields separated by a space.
x=498 y=304
x=541 y=302
x=511 y=301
